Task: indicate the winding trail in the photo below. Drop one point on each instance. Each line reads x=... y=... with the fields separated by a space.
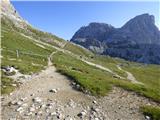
x=129 y=76
x=102 y=68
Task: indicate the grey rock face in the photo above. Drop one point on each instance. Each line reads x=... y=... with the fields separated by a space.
x=138 y=40
x=8 y=11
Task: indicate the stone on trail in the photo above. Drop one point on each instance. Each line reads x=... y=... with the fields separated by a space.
x=53 y=114
x=24 y=105
x=23 y=99
x=53 y=90
x=31 y=109
x=19 y=103
x=43 y=106
x=31 y=94
x=95 y=102
x=37 y=100
x=96 y=119
x=68 y=118
x=13 y=102
x=60 y=116
x=147 y=117
x=20 y=109
x=82 y=114
x=95 y=109
x=12 y=119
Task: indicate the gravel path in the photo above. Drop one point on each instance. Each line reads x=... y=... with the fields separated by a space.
x=129 y=76
x=50 y=96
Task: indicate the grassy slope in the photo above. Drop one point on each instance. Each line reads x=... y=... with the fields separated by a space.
x=108 y=62
x=34 y=62
x=91 y=78
x=78 y=50
x=98 y=78
x=147 y=74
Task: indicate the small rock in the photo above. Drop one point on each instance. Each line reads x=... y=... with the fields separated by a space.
x=39 y=112
x=14 y=85
x=47 y=110
x=28 y=114
x=53 y=114
x=147 y=117
x=31 y=94
x=78 y=86
x=60 y=116
x=23 y=99
x=19 y=109
x=73 y=83
x=36 y=114
x=43 y=106
x=53 y=90
x=12 y=103
x=12 y=119
x=68 y=118
x=24 y=105
x=95 y=102
x=31 y=109
x=10 y=93
x=82 y=114
x=95 y=109
x=37 y=100
x=119 y=107
x=19 y=103
x=96 y=118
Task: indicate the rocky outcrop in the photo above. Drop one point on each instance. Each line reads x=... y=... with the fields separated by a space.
x=138 y=40
x=9 y=12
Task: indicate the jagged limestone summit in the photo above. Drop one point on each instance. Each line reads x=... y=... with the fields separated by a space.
x=138 y=40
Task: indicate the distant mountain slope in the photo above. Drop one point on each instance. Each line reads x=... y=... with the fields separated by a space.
x=138 y=40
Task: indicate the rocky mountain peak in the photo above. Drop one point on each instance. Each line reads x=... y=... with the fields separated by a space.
x=129 y=42
x=94 y=30
x=141 y=20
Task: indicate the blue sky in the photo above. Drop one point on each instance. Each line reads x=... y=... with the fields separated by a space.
x=65 y=18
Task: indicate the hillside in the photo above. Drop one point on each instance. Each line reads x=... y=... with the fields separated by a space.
x=48 y=67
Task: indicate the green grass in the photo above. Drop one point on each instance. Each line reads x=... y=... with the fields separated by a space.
x=95 y=80
x=6 y=85
x=32 y=32
x=148 y=75
x=108 y=62
x=87 y=76
x=78 y=50
x=153 y=112
x=12 y=41
x=45 y=37
x=32 y=58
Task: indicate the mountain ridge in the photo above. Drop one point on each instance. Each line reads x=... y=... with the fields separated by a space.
x=137 y=35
